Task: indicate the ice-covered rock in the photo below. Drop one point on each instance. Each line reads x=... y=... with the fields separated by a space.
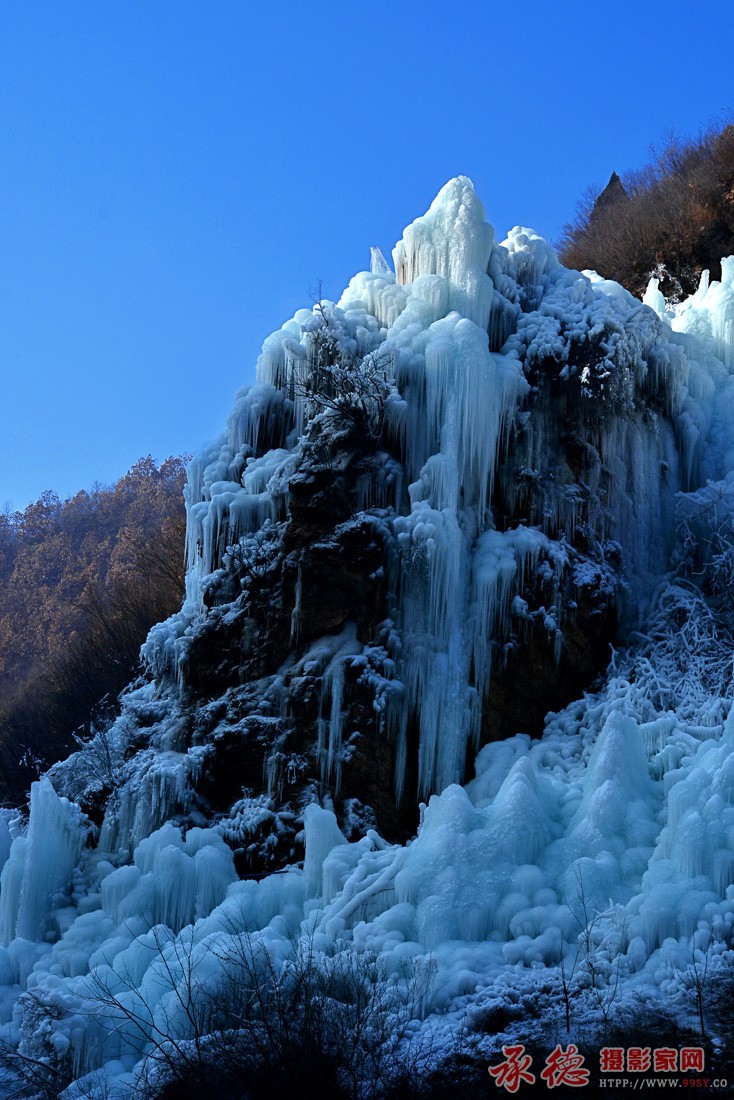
x=536 y=428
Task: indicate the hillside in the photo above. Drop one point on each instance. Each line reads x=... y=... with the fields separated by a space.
x=672 y=220
x=81 y=583
x=381 y=804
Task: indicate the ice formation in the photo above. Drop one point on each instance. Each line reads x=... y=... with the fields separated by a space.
x=625 y=807
x=456 y=400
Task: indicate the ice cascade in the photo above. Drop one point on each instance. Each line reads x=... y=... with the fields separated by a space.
x=473 y=331
x=623 y=810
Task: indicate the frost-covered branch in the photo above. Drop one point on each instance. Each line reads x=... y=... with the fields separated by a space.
x=332 y=375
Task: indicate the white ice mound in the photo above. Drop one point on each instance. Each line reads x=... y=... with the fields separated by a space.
x=39 y=864
x=453 y=240
x=616 y=816
x=709 y=313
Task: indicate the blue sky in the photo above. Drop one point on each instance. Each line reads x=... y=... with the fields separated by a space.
x=176 y=176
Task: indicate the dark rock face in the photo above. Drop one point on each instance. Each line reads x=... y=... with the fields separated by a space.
x=537 y=672
x=327 y=568
x=613 y=193
x=343 y=578
x=534 y=681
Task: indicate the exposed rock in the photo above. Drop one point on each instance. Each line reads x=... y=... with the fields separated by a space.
x=613 y=193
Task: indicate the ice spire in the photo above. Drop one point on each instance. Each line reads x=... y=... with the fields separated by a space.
x=452 y=239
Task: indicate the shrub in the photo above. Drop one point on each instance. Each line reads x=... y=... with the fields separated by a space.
x=333 y=376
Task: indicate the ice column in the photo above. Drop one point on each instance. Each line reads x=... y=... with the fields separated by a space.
x=40 y=864
x=454 y=240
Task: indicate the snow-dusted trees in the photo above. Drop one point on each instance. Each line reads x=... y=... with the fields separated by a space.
x=335 y=374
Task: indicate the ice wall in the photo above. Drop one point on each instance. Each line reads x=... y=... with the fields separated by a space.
x=487 y=342
x=622 y=814
x=709 y=313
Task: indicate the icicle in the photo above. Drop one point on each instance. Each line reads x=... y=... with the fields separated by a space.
x=296 y=612
x=378 y=263
x=40 y=864
x=335 y=651
x=499 y=565
x=335 y=724
x=709 y=313
x=322 y=835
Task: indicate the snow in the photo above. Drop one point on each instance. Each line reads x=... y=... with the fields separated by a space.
x=503 y=873
x=619 y=819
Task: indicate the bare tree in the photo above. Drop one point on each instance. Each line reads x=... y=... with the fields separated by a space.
x=234 y=1013
x=600 y=956
x=696 y=977
x=671 y=219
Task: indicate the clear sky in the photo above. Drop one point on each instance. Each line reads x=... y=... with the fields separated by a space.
x=177 y=176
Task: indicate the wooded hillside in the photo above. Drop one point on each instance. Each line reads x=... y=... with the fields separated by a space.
x=81 y=583
x=672 y=219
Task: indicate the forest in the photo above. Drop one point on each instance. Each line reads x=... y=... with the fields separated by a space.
x=670 y=220
x=81 y=583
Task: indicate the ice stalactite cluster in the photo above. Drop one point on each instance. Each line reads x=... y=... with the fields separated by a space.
x=624 y=810
x=707 y=314
x=39 y=864
x=475 y=333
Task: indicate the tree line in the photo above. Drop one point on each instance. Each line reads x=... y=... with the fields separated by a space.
x=671 y=219
x=82 y=581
